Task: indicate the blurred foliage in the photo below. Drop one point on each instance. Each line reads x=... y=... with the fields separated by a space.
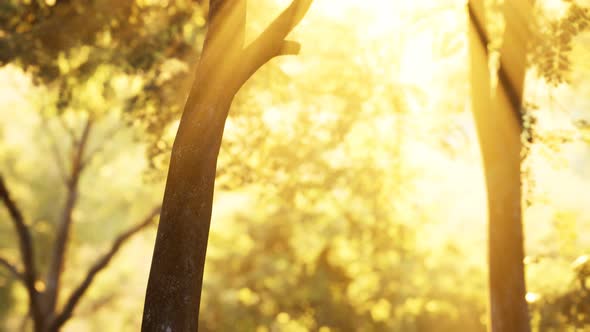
x=348 y=188
x=108 y=56
x=122 y=65
x=568 y=308
x=551 y=53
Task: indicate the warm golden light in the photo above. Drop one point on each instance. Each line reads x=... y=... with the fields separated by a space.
x=352 y=188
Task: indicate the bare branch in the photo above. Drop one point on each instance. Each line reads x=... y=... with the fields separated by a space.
x=271 y=42
x=100 y=147
x=286 y=21
x=78 y=157
x=25 y=245
x=63 y=230
x=290 y=48
x=55 y=150
x=12 y=268
x=98 y=304
x=67 y=128
x=98 y=266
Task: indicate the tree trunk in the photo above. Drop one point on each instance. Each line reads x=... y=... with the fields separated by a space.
x=499 y=126
x=173 y=294
x=176 y=276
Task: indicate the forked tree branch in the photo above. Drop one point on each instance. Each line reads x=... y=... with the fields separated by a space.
x=29 y=275
x=64 y=226
x=271 y=42
x=108 y=136
x=98 y=266
x=181 y=244
x=61 y=168
x=278 y=29
x=67 y=128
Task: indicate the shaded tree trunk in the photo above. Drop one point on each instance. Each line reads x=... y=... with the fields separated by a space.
x=499 y=125
x=174 y=288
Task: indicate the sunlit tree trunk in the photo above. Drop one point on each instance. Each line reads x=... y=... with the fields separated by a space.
x=499 y=124
x=174 y=287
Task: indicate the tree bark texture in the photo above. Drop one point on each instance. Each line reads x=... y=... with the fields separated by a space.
x=174 y=287
x=499 y=125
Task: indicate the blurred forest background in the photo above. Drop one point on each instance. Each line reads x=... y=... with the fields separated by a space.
x=349 y=196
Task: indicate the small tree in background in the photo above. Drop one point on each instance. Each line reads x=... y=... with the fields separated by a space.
x=105 y=65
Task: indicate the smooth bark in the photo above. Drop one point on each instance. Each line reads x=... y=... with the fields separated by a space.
x=499 y=125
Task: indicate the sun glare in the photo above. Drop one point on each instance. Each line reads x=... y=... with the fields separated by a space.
x=342 y=188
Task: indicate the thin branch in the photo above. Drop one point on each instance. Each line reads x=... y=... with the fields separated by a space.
x=67 y=128
x=55 y=150
x=286 y=21
x=77 y=162
x=100 y=147
x=63 y=230
x=12 y=268
x=282 y=25
x=98 y=304
x=98 y=266
x=25 y=245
